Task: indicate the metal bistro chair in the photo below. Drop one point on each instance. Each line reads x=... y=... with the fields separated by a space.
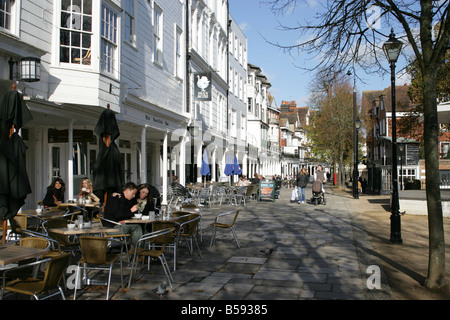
x=35 y=287
x=94 y=256
x=192 y=208
x=161 y=237
x=65 y=243
x=239 y=195
x=18 y=223
x=205 y=196
x=170 y=239
x=188 y=229
x=123 y=237
x=230 y=226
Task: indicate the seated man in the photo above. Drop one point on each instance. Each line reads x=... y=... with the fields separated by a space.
x=121 y=207
x=179 y=190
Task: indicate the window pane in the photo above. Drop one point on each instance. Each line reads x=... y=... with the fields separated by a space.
x=87 y=25
x=75 y=55
x=75 y=40
x=65 y=4
x=64 y=54
x=64 y=38
x=65 y=20
x=76 y=21
x=86 y=41
x=87 y=7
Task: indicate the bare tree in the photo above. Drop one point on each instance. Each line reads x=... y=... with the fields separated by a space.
x=344 y=34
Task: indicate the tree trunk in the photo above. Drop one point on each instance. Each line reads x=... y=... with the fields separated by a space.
x=436 y=263
x=341 y=167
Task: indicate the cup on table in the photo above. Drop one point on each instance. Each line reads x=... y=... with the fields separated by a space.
x=71 y=225
x=138 y=215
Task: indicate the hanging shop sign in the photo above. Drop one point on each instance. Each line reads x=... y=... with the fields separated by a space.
x=202 y=86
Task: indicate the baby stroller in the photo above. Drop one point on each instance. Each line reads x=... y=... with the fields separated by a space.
x=318 y=196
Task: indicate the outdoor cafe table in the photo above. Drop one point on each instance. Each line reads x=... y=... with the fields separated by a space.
x=45 y=214
x=140 y=220
x=89 y=208
x=11 y=253
x=95 y=228
x=77 y=204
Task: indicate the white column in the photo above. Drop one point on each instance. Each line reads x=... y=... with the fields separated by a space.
x=244 y=165
x=182 y=175
x=144 y=155
x=199 y=164
x=164 y=169
x=213 y=164
x=70 y=162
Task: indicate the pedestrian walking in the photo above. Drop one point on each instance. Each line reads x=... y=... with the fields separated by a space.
x=302 y=181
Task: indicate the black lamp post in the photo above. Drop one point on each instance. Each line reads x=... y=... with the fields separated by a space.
x=355 y=139
x=355 y=169
x=392 y=49
x=401 y=148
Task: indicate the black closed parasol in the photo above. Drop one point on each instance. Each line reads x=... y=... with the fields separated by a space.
x=108 y=172
x=14 y=183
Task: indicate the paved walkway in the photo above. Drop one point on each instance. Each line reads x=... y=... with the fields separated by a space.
x=288 y=251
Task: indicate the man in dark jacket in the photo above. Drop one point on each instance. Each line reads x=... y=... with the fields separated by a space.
x=179 y=190
x=121 y=207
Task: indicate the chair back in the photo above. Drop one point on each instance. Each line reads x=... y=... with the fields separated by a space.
x=161 y=237
x=236 y=212
x=191 y=208
x=18 y=223
x=34 y=242
x=163 y=225
x=189 y=227
x=55 y=270
x=177 y=214
x=235 y=217
x=62 y=239
x=93 y=249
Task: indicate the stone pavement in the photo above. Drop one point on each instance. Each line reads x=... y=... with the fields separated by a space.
x=288 y=251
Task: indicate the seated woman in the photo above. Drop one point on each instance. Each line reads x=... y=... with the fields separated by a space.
x=55 y=193
x=86 y=191
x=144 y=199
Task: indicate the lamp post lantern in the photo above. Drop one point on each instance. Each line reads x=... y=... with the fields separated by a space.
x=392 y=49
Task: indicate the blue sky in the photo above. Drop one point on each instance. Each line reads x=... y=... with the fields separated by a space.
x=288 y=81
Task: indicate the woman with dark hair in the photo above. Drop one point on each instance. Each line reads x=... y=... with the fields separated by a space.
x=144 y=199
x=55 y=193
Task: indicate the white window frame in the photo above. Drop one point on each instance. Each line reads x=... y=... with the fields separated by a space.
x=109 y=40
x=76 y=25
x=157 y=34
x=130 y=21
x=13 y=13
x=233 y=119
x=178 y=67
